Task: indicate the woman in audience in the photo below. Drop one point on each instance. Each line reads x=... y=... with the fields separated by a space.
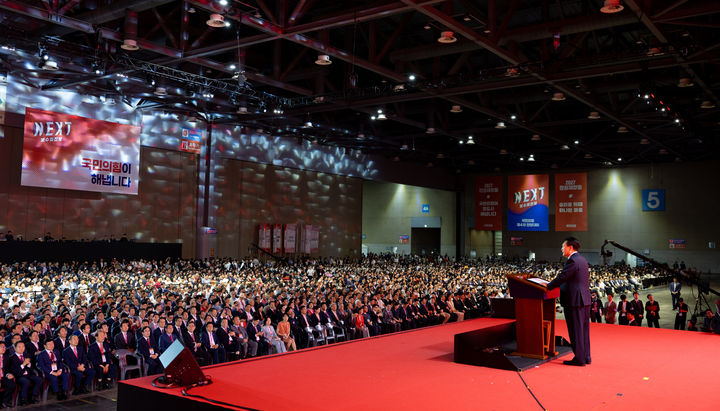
x=271 y=337
x=283 y=330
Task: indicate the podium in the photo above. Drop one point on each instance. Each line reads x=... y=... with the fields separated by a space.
x=535 y=314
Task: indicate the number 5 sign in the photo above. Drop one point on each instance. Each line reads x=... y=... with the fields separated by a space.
x=653 y=200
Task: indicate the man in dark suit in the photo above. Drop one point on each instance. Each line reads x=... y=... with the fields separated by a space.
x=146 y=347
x=20 y=367
x=167 y=338
x=76 y=359
x=638 y=309
x=7 y=381
x=652 y=309
x=85 y=339
x=125 y=340
x=101 y=359
x=624 y=309
x=50 y=363
x=574 y=283
x=681 y=315
x=675 y=288
x=194 y=345
x=212 y=345
x=61 y=340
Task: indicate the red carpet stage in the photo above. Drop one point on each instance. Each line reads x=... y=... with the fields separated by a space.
x=632 y=368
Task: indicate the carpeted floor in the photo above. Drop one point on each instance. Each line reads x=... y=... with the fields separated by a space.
x=632 y=367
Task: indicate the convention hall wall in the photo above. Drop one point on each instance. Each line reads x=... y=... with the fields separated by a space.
x=249 y=194
x=389 y=209
x=615 y=213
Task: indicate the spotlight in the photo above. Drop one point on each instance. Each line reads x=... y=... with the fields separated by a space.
x=411 y=77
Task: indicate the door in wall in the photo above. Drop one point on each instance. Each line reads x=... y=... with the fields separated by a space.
x=425 y=241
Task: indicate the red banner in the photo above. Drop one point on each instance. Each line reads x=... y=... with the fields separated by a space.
x=571 y=202
x=488 y=196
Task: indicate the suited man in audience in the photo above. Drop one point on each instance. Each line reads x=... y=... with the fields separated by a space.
x=7 y=381
x=76 y=360
x=125 y=340
x=85 y=339
x=167 y=338
x=33 y=347
x=50 y=363
x=194 y=344
x=61 y=340
x=652 y=311
x=247 y=346
x=574 y=283
x=228 y=339
x=146 y=347
x=20 y=367
x=211 y=344
x=638 y=309
x=100 y=357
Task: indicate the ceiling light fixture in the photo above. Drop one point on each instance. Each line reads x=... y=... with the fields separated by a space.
x=216 y=20
x=707 y=104
x=411 y=77
x=430 y=130
x=644 y=141
x=503 y=152
x=129 y=45
x=160 y=91
x=612 y=6
x=685 y=82
x=447 y=37
x=594 y=115
x=456 y=109
x=470 y=140
x=242 y=110
x=500 y=124
x=564 y=147
x=588 y=155
x=535 y=137
x=323 y=60
x=558 y=97
x=622 y=129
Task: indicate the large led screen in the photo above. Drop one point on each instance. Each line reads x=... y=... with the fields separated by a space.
x=78 y=153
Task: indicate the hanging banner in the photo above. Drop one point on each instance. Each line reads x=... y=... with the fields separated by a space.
x=277 y=238
x=191 y=140
x=571 y=205
x=314 y=239
x=264 y=236
x=488 y=196
x=305 y=234
x=290 y=238
x=528 y=202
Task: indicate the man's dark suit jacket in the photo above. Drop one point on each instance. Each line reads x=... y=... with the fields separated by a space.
x=95 y=356
x=574 y=282
x=120 y=341
x=14 y=366
x=73 y=362
x=144 y=348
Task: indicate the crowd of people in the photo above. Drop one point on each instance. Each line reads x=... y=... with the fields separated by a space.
x=64 y=322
